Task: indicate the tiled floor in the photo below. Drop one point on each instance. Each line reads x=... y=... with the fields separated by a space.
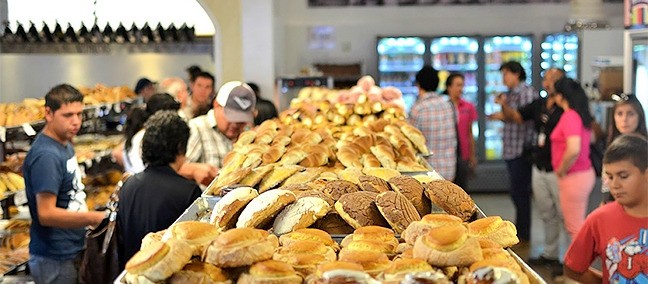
x=501 y=204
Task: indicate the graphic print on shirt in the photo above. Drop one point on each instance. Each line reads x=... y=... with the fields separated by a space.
x=77 y=193
x=627 y=259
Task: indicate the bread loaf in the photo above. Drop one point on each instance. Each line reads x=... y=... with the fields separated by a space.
x=240 y=247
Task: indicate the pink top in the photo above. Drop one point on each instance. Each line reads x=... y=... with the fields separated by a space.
x=570 y=124
x=467 y=115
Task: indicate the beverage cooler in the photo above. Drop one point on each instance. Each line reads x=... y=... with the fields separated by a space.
x=560 y=50
x=399 y=58
x=636 y=65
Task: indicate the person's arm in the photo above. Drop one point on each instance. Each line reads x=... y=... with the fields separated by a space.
x=202 y=173
x=51 y=216
x=118 y=154
x=588 y=276
x=571 y=154
x=511 y=115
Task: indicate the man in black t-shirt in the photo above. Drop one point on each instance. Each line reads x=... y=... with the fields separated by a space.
x=152 y=200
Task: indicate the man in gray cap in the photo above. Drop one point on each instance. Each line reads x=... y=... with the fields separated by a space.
x=212 y=134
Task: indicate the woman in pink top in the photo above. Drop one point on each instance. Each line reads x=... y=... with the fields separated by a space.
x=570 y=153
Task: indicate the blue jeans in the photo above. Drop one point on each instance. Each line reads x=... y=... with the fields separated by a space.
x=47 y=270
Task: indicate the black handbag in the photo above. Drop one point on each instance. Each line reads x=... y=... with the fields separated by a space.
x=596 y=156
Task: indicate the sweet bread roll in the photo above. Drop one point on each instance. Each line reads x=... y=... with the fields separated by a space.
x=451 y=198
x=157 y=261
x=337 y=188
x=297 y=188
x=373 y=263
x=270 y=272
x=274 y=153
x=253 y=156
x=373 y=184
x=448 y=245
x=241 y=247
x=386 y=156
x=406 y=164
x=339 y=272
x=397 y=210
x=257 y=174
x=401 y=267
x=305 y=247
x=416 y=137
x=382 y=173
x=332 y=223
x=310 y=174
x=349 y=158
x=305 y=264
x=280 y=140
x=359 y=209
x=300 y=214
x=371 y=245
x=350 y=174
x=293 y=156
x=196 y=234
x=429 y=221
x=227 y=209
x=413 y=191
x=317 y=156
x=246 y=137
x=277 y=175
x=226 y=179
x=199 y=272
x=368 y=160
x=316 y=193
x=151 y=238
x=328 y=175
x=372 y=233
x=495 y=229
x=308 y=234
x=264 y=207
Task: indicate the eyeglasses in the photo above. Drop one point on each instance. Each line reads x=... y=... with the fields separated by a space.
x=622 y=97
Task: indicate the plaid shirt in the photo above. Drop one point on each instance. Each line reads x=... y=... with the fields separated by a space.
x=206 y=143
x=515 y=135
x=435 y=117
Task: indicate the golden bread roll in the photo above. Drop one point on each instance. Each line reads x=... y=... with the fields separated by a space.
x=317 y=156
x=429 y=221
x=416 y=137
x=225 y=180
x=408 y=252
x=373 y=184
x=413 y=191
x=309 y=234
x=332 y=223
x=359 y=209
x=152 y=238
x=253 y=156
x=496 y=253
x=297 y=188
x=494 y=228
x=229 y=207
x=328 y=175
x=256 y=175
x=316 y=193
x=282 y=140
x=337 y=188
x=448 y=245
x=300 y=214
x=277 y=175
x=274 y=153
x=350 y=174
x=451 y=198
x=157 y=261
x=270 y=272
x=382 y=173
x=385 y=154
x=199 y=272
x=196 y=234
x=310 y=174
x=397 y=210
x=293 y=156
x=260 y=211
x=245 y=138
x=401 y=267
x=368 y=160
x=373 y=263
x=423 y=179
x=372 y=233
x=487 y=244
x=337 y=265
x=349 y=158
x=305 y=247
x=407 y=164
x=240 y=247
x=305 y=264
x=371 y=245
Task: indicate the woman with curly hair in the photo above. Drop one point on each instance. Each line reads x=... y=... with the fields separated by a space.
x=570 y=151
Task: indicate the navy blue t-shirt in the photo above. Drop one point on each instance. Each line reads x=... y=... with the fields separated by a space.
x=52 y=167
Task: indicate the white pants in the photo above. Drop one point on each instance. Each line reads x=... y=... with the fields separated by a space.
x=546 y=197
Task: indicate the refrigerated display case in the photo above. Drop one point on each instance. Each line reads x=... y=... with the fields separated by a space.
x=560 y=50
x=497 y=50
x=399 y=58
x=457 y=54
x=636 y=65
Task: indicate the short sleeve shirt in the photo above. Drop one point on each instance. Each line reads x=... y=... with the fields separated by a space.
x=467 y=115
x=570 y=124
x=206 y=143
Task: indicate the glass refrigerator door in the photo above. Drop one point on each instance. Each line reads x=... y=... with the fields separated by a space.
x=457 y=55
x=560 y=50
x=640 y=71
x=497 y=50
x=399 y=58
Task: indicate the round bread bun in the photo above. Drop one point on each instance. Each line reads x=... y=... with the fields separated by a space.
x=397 y=210
x=371 y=245
x=157 y=261
x=429 y=221
x=305 y=264
x=336 y=188
x=372 y=233
x=494 y=228
x=401 y=267
x=241 y=247
x=301 y=214
x=359 y=209
x=373 y=184
x=308 y=234
x=152 y=237
x=264 y=207
x=196 y=234
x=372 y=262
x=382 y=173
x=448 y=245
x=199 y=272
x=305 y=247
x=333 y=224
x=451 y=198
x=488 y=243
x=270 y=272
x=413 y=190
x=227 y=209
x=337 y=265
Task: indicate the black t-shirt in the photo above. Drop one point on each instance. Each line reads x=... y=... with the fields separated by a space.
x=544 y=121
x=266 y=110
x=151 y=201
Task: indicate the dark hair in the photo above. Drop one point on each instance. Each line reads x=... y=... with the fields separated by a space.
x=451 y=79
x=514 y=67
x=62 y=94
x=138 y=116
x=628 y=147
x=204 y=74
x=613 y=131
x=193 y=70
x=165 y=138
x=254 y=88
x=573 y=92
x=428 y=78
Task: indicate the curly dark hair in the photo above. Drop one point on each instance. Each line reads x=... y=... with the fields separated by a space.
x=138 y=116
x=628 y=147
x=573 y=92
x=428 y=78
x=516 y=68
x=165 y=138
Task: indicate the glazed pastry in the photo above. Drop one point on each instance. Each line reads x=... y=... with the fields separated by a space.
x=451 y=198
x=229 y=207
x=262 y=209
x=359 y=209
x=397 y=210
x=448 y=245
x=413 y=191
x=300 y=214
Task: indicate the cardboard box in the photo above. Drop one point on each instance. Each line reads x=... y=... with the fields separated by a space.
x=610 y=81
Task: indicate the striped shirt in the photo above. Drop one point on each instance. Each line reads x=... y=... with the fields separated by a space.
x=435 y=117
x=206 y=143
x=515 y=135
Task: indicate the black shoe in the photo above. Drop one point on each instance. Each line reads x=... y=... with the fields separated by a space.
x=541 y=260
x=556 y=270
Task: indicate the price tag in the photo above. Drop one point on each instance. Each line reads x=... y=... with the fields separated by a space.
x=20 y=198
x=3 y=134
x=29 y=130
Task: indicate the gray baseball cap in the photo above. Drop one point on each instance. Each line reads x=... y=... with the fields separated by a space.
x=238 y=100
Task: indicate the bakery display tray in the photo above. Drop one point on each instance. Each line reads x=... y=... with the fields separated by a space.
x=200 y=209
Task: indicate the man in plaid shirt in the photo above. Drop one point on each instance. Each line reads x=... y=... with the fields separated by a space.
x=434 y=115
x=516 y=139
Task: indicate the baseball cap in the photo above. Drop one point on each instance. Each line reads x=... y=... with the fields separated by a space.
x=142 y=83
x=238 y=100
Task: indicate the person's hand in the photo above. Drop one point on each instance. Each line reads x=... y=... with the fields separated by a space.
x=496 y=116
x=204 y=173
x=500 y=99
x=97 y=217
